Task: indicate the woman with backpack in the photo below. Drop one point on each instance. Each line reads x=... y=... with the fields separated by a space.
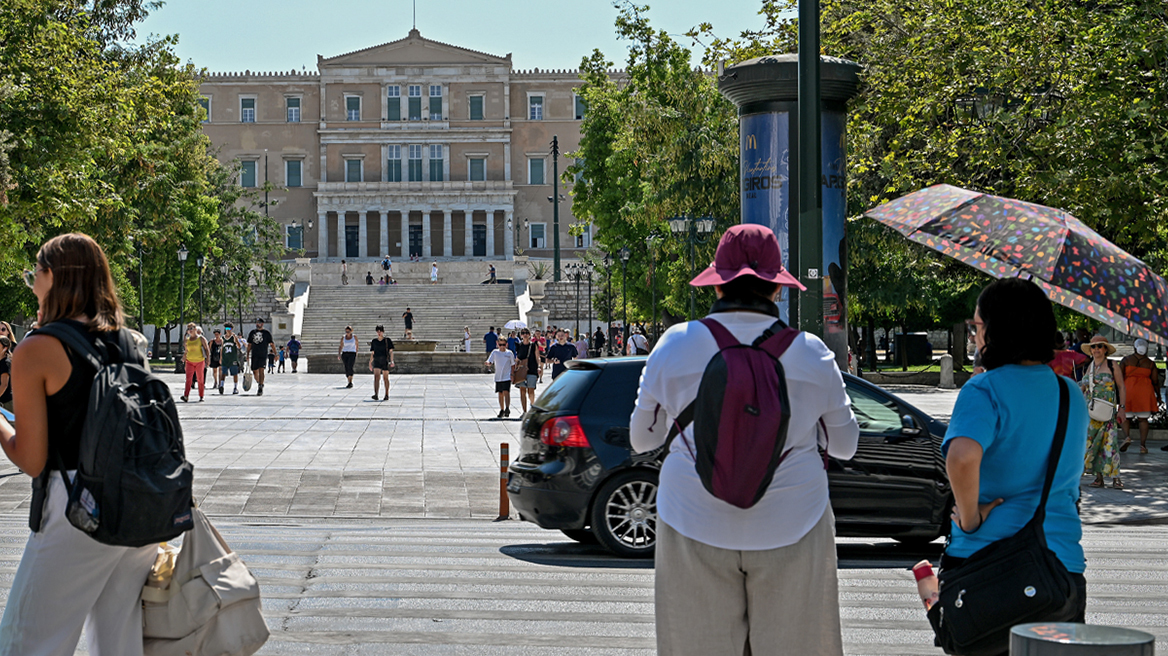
x=740 y=577
x=67 y=580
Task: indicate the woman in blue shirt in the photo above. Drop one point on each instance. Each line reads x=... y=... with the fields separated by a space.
x=1002 y=430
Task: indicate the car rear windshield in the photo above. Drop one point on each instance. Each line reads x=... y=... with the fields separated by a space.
x=566 y=392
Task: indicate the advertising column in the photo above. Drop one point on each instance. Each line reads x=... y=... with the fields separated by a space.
x=766 y=185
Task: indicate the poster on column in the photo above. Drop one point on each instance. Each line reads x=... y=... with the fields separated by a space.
x=766 y=197
x=834 y=190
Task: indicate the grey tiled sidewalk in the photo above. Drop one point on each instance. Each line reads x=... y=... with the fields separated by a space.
x=308 y=447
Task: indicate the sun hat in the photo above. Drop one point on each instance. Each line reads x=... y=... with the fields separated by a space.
x=1098 y=339
x=747 y=249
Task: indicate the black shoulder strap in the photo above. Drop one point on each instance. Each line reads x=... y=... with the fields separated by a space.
x=1056 y=450
x=73 y=338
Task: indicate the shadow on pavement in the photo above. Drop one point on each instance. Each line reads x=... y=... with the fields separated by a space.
x=572 y=554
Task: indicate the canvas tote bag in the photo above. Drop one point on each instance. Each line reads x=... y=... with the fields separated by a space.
x=211 y=606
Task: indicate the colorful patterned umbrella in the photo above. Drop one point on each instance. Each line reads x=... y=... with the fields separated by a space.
x=1010 y=238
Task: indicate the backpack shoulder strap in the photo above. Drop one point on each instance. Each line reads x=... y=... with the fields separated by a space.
x=71 y=337
x=776 y=339
x=722 y=336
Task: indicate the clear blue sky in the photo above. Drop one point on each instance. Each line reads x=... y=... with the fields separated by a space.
x=271 y=35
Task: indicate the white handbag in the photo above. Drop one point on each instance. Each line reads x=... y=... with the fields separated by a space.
x=211 y=605
x=1098 y=409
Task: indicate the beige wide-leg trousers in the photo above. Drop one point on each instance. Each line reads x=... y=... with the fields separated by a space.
x=748 y=603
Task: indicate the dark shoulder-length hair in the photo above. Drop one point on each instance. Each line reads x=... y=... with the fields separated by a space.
x=1019 y=323
x=82 y=284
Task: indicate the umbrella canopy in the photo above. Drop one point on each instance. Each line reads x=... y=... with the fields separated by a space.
x=514 y=324
x=1011 y=238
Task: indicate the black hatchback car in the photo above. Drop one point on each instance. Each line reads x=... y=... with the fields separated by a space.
x=577 y=473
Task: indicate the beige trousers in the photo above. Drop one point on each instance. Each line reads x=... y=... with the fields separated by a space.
x=748 y=603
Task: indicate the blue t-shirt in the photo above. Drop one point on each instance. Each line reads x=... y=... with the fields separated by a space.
x=492 y=341
x=512 y=344
x=1011 y=411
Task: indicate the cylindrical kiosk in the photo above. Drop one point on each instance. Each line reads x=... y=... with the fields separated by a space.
x=766 y=91
x=1070 y=639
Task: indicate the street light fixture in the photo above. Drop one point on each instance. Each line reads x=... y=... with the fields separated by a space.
x=199 y=261
x=182 y=301
x=556 y=206
x=694 y=232
x=624 y=256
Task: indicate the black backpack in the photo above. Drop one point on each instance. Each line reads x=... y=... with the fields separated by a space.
x=133 y=482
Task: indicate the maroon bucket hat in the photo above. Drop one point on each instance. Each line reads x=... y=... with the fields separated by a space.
x=747 y=249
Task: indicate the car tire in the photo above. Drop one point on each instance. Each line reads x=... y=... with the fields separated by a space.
x=581 y=535
x=624 y=513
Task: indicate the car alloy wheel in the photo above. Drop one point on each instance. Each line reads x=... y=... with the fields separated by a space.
x=624 y=513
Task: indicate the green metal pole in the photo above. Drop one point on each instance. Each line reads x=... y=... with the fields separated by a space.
x=810 y=168
x=556 y=204
x=693 y=237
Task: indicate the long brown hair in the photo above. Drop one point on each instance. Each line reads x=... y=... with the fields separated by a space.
x=82 y=283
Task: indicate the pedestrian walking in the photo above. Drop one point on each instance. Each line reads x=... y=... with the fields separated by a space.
x=67 y=581
x=527 y=354
x=598 y=342
x=294 y=351
x=196 y=352
x=344 y=273
x=560 y=353
x=381 y=360
x=1004 y=432
x=230 y=358
x=216 y=345
x=512 y=341
x=503 y=360
x=272 y=362
x=5 y=373
x=490 y=339
x=581 y=345
x=369 y=278
x=434 y=273
x=638 y=345
x=491 y=275
x=1141 y=377
x=1066 y=362
x=408 y=317
x=1103 y=387
x=347 y=353
x=466 y=338
x=280 y=366
x=259 y=345
x=745 y=580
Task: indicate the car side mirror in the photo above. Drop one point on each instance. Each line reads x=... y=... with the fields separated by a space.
x=908 y=425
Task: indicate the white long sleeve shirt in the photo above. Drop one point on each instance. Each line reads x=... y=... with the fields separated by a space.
x=797 y=497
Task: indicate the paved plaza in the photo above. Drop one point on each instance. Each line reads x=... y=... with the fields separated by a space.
x=370 y=527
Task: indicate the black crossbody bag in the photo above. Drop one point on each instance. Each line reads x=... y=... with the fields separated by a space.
x=1013 y=581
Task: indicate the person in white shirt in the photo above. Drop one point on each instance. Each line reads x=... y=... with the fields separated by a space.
x=503 y=359
x=759 y=580
x=637 y=343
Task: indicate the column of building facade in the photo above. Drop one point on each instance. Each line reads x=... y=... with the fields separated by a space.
x=490 y=232
x=383 y=236
x=426 y=237
x=447 y=237
x=342 y=251
x=362 y=234
x=468 y=238
x=508 y=236
x=405 y=233
x=322 y=239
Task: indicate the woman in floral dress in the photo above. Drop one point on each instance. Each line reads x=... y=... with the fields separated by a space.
x=1104 y=381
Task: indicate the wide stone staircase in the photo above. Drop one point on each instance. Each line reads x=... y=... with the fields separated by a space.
x=440 y=312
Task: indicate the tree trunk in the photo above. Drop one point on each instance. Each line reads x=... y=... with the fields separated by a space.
x=872 y=344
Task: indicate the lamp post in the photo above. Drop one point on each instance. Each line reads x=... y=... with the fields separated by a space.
x=624 y=256
x=182 y=301
x=225 y=299
x=199 y=261
x=590 y=312
x=141 y=291
x=695 y=231
x=556 y=206
x=608 y=301
x=651 y=242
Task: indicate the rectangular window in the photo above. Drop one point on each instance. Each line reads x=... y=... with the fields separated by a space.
x=538 y=232
x=394 y=94
x=436 y=174
x=292 y=177
x=476 y=108
x=580 y=108
x=295 y=237
x=435 y=102
x=352 y=108
x=535 y=108
x=292 y=109
x=247 y=107
x=535 y=171
x=478 y=170
x=415 y=99
x=393 y=163
x=415 y=163
x=352 y=170
x=247 y=173
x=579 y=172
x=205 y=103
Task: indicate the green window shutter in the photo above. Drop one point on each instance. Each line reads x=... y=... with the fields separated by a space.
x=435 y=108
x=394 y=113
x=353 y=108
x=295 y=237
x=435 y=170
x=580 y=108
x=415 y=109
x=293 y=174
x=415 y=170
x=352 y=170
x=478 y=170
x=393 y=172
x=476 y=108
x=535 y=169
x=205 y=103
x=247 y=176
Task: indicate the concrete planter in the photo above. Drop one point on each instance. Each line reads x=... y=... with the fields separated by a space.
x=537 y=288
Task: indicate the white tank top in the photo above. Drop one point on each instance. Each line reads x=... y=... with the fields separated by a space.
x=349 y=344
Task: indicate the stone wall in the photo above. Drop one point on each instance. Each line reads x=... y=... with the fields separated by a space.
x=560 y=303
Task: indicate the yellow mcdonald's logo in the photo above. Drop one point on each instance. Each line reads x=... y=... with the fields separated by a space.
x=751 y=142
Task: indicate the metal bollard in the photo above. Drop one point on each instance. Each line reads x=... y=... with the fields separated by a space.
x=504 y=500
x=1071 y=639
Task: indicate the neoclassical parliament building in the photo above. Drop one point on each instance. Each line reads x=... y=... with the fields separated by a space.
x=413 y=147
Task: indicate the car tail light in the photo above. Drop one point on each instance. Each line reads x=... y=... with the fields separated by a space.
x=563 y=431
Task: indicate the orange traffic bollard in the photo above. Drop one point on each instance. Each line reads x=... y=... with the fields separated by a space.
x=504 y=501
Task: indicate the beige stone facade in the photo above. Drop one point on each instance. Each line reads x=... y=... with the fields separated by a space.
x=413 y=146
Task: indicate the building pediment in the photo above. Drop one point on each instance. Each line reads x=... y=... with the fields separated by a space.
x=413 y=50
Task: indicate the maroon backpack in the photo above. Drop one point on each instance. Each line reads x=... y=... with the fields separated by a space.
x=740 y=415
